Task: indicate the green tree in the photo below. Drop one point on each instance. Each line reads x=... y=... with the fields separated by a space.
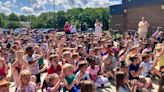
x=58 y=19
x=13 y=17
x=13 y=24
x=2 y=22
x=23 y=18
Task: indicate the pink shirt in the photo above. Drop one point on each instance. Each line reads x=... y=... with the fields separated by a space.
x=93 y=72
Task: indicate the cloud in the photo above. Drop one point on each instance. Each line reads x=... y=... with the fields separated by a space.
x=7 y=4
x=68 y=4
x=86 y=3
x=27 y=10
x=115 y=2
x=37 y=7
x=4 y=9
x=14 y=1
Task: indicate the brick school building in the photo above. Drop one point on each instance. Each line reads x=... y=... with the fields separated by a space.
x=127 y=15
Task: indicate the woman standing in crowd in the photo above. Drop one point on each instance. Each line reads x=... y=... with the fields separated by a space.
x=67 y=28
x=98 y=28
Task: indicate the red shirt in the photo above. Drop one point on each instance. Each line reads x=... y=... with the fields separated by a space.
x=52 y=70
x=67 y=28
x=2 y=72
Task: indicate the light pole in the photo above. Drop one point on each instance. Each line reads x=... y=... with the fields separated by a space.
x=54 y=6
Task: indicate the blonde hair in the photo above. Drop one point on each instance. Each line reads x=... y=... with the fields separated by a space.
x=25 y=73
x=67 y=67
x=105 y=58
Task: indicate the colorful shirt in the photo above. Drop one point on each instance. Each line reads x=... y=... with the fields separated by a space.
x=146 y=68
x=52 y=70
x=160 y=62
x=93 y=72
x=29 y=88
x=85 y=76
x=34 y=68
x=69 y=81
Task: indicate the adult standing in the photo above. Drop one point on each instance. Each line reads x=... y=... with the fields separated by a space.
x=143 y=28
x=73 y=28
x=98 y=29
x=67 y=28
x=83 y=27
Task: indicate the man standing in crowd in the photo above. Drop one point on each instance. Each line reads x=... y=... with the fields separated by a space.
x=143 y=28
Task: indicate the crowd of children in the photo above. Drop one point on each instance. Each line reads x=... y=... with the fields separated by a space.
x=81 y=62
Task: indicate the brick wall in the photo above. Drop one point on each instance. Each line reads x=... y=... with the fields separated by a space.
x=153 y=14
x=116 y=22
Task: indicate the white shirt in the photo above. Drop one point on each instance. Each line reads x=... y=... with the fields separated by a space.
x=29 y=88
x=143 y=26
x=146 y=68
x=34 y=68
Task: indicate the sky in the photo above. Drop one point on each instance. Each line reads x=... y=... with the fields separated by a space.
x=36 y=7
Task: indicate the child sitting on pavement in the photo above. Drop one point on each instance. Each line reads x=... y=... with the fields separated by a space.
x=70 y=83
x=94 y=70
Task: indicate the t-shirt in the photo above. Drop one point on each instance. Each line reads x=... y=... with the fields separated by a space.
x=49 y=89
x=160 y=62
x=133 y=68
x=41 y=61
x=69 y=81
x=143 y=26
x=34 y=68
x=107 y=67
x=85 y=76
x=2 y=73
x=51 y=69
x=29 y=88
x=114 y=62
x=146 y=68
x=93 y=72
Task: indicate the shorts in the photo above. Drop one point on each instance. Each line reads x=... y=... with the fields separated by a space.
x=38 y=80
x=142 y=34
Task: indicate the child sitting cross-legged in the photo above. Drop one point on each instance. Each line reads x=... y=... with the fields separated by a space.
x=82 y=74
x=70 y=83
x=107 y=68
x=94 y=70
x=135 y=71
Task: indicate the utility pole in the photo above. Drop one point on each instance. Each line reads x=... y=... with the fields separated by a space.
x=54 y=5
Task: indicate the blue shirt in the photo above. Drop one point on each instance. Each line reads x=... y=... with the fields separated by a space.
x=146 y=68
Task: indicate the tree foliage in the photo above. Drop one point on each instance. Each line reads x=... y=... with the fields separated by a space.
x=58 y=19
